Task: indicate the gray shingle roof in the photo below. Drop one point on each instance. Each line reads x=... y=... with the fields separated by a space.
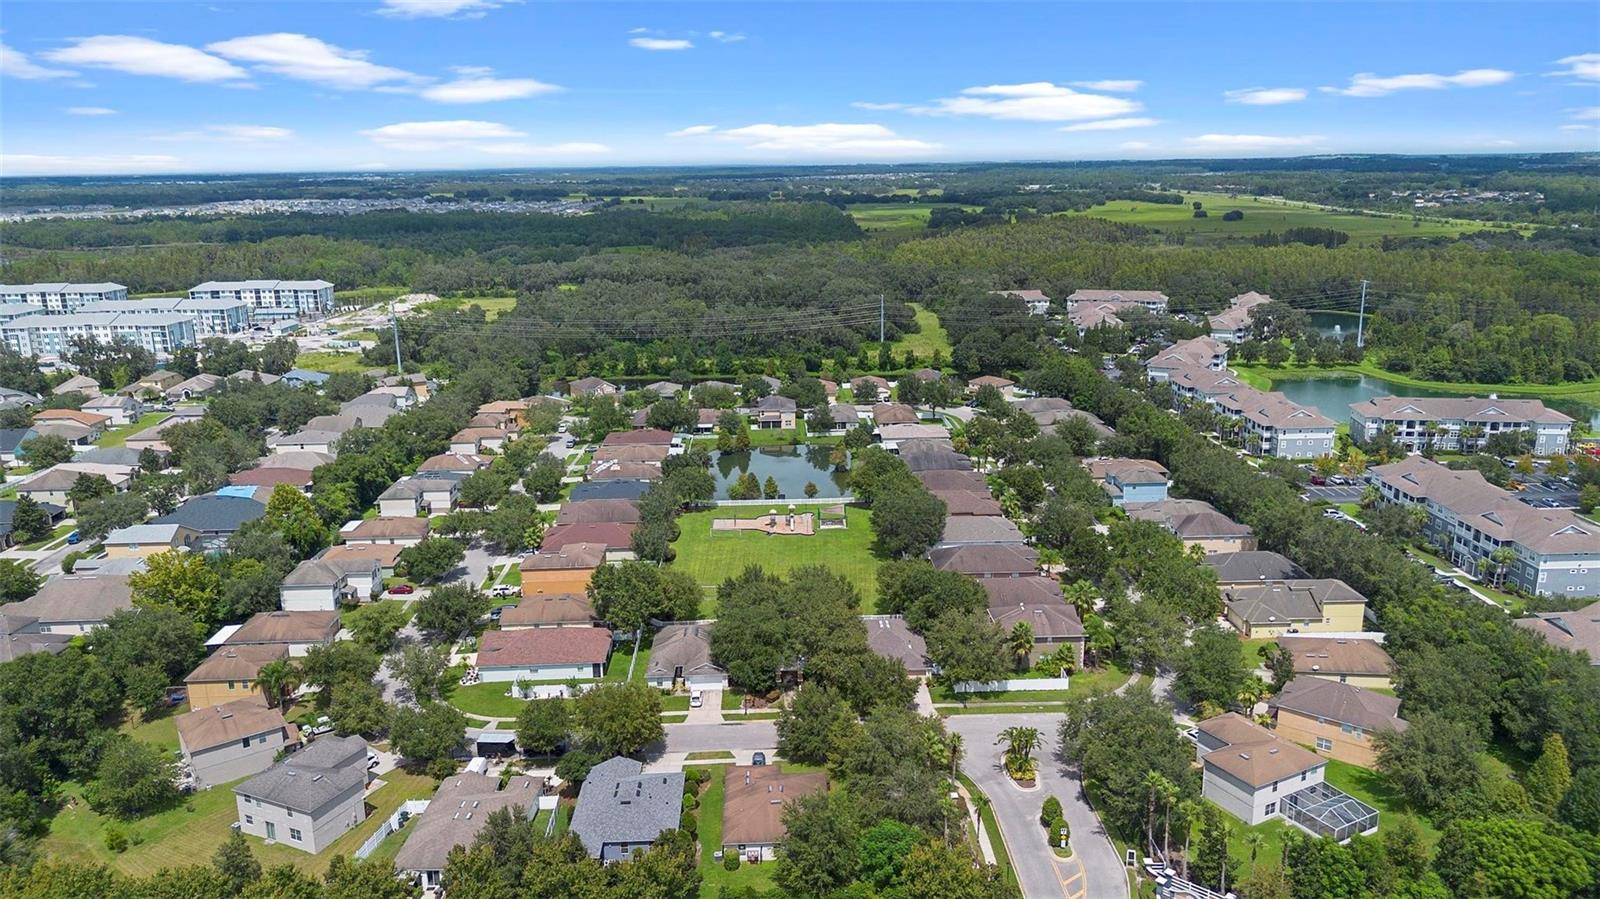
x=311 y=778
x=619 y=804
x=214 y=514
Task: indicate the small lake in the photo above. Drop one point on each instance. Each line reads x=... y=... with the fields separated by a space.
x=1333 y=396
x=791 y=466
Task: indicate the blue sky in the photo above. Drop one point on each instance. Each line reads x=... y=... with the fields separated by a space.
x=95 y=87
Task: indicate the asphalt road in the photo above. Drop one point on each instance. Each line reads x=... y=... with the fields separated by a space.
x=1334 y=494
x=1094 y=870
x=761 y=735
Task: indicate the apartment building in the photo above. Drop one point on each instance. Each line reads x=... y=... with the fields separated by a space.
x=1232 y=325
x=1547 y=551
x=12 y=311
x=1459 y=423
x=212 y=318
x=51 y=335
x=61 y=298
x=1151 y=300
x=1271 y=425
x=1198 y=352
x=270 y=299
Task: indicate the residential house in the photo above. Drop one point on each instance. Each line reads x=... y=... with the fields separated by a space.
x=118 y=410
x=892 y=435
x=1197 y=523
x=70 y=431
x=11 y=440
x=664 y=389
x=157 y=382
x=396 y=531
x=1198 y=352
x=889 y=636
x=1047 y=412
x=1151 y=300
x=1033 y=300
x=1459 y=424
x=466 y=463
x=229 y=674
x=967 y=502
x=1130 y=480
x=440 y=489
x=94 y=423
x=638 y=437
x=353 y=559
x=1006 y=386
x=842 y=417
x=402 y=499
x=309 y=799
x=1308 y=605
x=222 y=743
x=549 y=610
x=305 y=377
x=1037 y=602
x=962 y=530
x=53 y=484
x=870 y=389
x=617 y=537
x=621 y=810
x=937 y=480
x=476 y=440
x=141 y=540
x=599 y=511
x=199 y=385
x=72 y=605
x=1491 y=535
x=454 y=817
x=543 y=654
x=315 y=585
x=1254 y=774
x=268 y=478
x=1232 y=325
x=1241 y=569
x=590 y=387
x=652 y=455
x=17 y=637
x=298 y=631
x=8 y=510
x=1358 y=661
x=681 y=653
x=1340 y=720
x=214 y=517
x=986 y=560
x=564 y=570
x=931 y=455
x=77 y=384
x=150 y=438
x=773 y=413
x=754 y=798
x=304 y=460
x=1576 y=631
x=305 y=440
x=609 y=489
x=893 y=414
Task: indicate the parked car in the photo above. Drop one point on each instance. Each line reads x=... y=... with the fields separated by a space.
x=759 y=758
x=572 y=442
x=504 y=590
x=402 y=589
x=696 y=699
x=324 y=725
x=497 y=611
x=74 y=538
x=1318 y=480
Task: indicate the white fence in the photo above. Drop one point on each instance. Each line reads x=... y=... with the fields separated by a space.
x=1020 y=685
x=411 y=808
x=783 y=504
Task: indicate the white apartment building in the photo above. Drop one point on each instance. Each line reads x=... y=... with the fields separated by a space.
x=52 y=335
x=61 y=297
x=212 y=318
x=1153 y=301
x=1459 y=423
x=13 y=311
x=270 y=299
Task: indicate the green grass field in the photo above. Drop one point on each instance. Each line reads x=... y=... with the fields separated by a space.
x=1262 y=215
x=895 y=216
x=331 y=362
x=1109 y=677
x=713 y=559
x=493 y=307
x=1263 y=377
x=925 y=342
x=119 y=436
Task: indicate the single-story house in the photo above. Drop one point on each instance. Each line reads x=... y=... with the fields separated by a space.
x=893 y=414
x=70 y=431
x=72 y=604
x=309 y=799
x=299 y=631
x=8 y=510
x=306 y=440
x=967 y=529
x=1197 y=523
x=222 y=743
x=986 y=560
x=621 y=810
x=612 y=489
x=1006 y=386
x=938 y=479
x=1247 y=567
x=656 y=454
x=215 y=518
x=591 y=387
x=616 y=537
x=199 y=385
x=967 y=502
x=305 y=460
x=549 y=610
x=870 y=389
x=229 y=674
x=638 y=437
x=454 y=816
x=268 y=478
x=754 y=798
x=398 y=531
x=11 y=439
x=17 y=638
x=1340 y=720
x=681 y=653
x=843 y=416
x=931 y=455
x=305 y=377
x=315 y=585
x=253 y=376
x=893 y=434
x=544 y=654
x=475 y=440
x=1054 y=623
x=561 y=571
x=118 y=410
x=77 y=384
x=157 y=382
x=140 y=540
x=94 y=422
x=1348 y=660
x=1283 y=607
x=402 y=499
x=664 y=389
x=623 y=471
x=53 y=484
x=467 y=463
x=599 y=511
x=1574 y=631
x=889 y=636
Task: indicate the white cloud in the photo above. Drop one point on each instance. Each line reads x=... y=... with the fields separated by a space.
x=427 y=9
x=727 y=37
x=879 y=107
x=32 y=164
x=1586 y=114
x=1367 y=84
x=1265 y=96
x=1116 y=86
x=693 y=131
x=824 y=138
x=1251 y=141
x=232 y=133
x=1039 y=101
x=1500 y=142
x=1584 y=67
x=1134 y=145
x=1579 y=127
x=478 y=87
x=660 y=43
x=143 y=56
x=90 y=110
x=306 y=58
x=1113 y=124
x=435 y=135
x=573 y=148
x=15 y=64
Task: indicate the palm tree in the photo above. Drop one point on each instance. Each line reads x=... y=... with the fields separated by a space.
x=1255 y=839
x=1081 y=596
x=1021 y=642
x=1152 y=782
x=1169 y=797
x=277 y=679
x=1253 y=691
x=953 y=746
x=1020 y=742
x=1224 y=833
x=1188 y=809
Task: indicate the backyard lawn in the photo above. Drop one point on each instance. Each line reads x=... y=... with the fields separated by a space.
x=331 y=362
x=714 y=557
x=488 y=700
x=119 y=436
x=925 y=342
x=709 y=824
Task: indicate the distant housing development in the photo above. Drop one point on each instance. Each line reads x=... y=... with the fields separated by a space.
x=60 y=297
x=269 y=299
x=1458 y=423
x=212 y=318
x=50 y=335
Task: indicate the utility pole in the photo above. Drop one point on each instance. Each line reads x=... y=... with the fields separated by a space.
x=394 y=325
x=880 y=319
x=1361 y=319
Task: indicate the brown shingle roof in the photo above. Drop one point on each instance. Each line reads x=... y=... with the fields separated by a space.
x=552 y=609
x=753 y=800
x=454 y=462
x=385 y=554
x=569 y=557
x=287 y=627
x=889 y=636
x=1337 y=655
x=986 y=560
x=236 y=663
x=1343 y=703
x=387 y=528
x=216 y=725
x=1191 y=519
x=639 y=437
x=590 y=511
x=544 y=646
x=1254 y=754
x=76 y=598
x=967 y=502
x=623 y=471
x=1577 y=630
x=1054 y=620
x=615 y=536
x=951 y=479
x=893 y=413
x=270 y=477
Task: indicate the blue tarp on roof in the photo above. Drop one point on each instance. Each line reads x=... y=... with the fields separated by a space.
x=247 y=491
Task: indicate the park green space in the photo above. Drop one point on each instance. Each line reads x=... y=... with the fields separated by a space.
x=1263 y=215
x=930 y=339
x=714 y=557
x=331 y=362
x=896 y=216
x=492 y=307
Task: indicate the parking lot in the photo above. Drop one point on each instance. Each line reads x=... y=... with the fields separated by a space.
x=1331 y=494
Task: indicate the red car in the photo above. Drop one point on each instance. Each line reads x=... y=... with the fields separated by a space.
x=1318 y=480
x=402 y=589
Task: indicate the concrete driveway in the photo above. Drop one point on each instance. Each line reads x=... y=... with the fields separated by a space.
x=1094 y=870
